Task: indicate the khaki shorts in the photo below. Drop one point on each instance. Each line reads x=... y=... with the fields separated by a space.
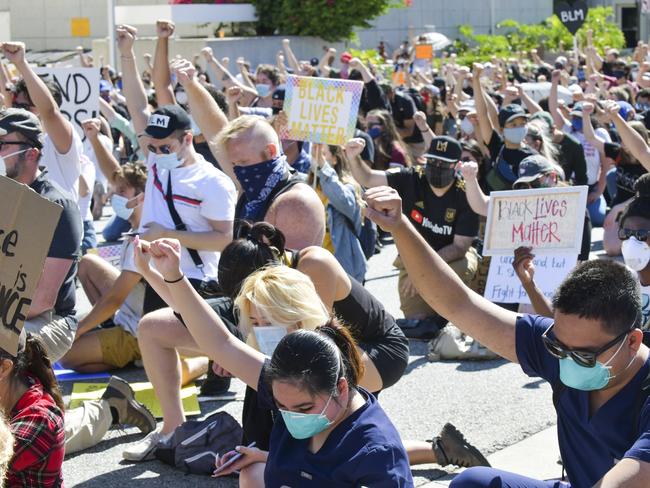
x=57 y=333
x=119 y=348
x=414 y=306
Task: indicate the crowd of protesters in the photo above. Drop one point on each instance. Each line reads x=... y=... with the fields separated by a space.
x=226 y=228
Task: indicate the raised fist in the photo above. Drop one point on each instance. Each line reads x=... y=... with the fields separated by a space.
x=165 y=28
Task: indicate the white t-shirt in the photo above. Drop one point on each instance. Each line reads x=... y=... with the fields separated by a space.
x=592 y=155
x=129 y=314
x=88 y=174
x=201 y=192
x=90 y=153
x=64 y=168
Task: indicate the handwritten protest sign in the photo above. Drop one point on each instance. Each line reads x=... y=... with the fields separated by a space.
x=27 y=223
x=503 y=286
x=80 y=90
x=546 y=218
x=423 y=51
x=321 y=110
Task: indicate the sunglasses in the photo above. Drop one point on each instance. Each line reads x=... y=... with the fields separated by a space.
x=439 y=163
x=164 y=149
x=581 y=357
x=639 y=235
x=529 y=185
x=13 y=143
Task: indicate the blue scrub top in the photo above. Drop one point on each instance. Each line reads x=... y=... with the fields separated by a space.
x=363 y=450
x=590 y=446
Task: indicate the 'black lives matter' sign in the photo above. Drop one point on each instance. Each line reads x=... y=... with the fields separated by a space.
x=27 y=223
x=572 y=15
x=80 y=91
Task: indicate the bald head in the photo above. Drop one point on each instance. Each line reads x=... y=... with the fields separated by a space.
x=247 y=140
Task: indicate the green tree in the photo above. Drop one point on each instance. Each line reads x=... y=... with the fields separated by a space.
x=550 y=35
x=332 y=20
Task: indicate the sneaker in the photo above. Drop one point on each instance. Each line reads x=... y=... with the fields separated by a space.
x=126 y=409
x=214 y=385
x=450 y=447
x=143 y=450
x=423 y=329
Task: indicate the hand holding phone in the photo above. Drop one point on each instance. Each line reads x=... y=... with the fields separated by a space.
x=235 y=457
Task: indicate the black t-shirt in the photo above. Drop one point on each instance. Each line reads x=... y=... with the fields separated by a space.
x=403 y=109
x=66 y=240
x=626 y=174
x=511 y=156
x=572 y=159
x=368 y=153
x=437 y=219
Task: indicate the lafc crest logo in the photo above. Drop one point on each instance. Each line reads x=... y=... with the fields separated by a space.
x=441 y=146
x=450 y=215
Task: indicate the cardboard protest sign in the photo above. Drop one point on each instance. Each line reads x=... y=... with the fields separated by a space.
x=423 y=51
x=572 y=16
x=503 y=286
x=545 y=218
x=80 y=90
x=27 y=223
x=321 y=110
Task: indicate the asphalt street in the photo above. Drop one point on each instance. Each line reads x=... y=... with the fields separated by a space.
x=492 y=402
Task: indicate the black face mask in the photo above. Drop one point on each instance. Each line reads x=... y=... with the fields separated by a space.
x=439 y=176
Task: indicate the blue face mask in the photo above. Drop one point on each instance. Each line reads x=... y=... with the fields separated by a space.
x=576 y=123
x=258 y=181
x=118 y=202
x=514 y=135
x=167 y=161
x=306 y=425
x=583 y=378
x=374 y=132
x=263 y=90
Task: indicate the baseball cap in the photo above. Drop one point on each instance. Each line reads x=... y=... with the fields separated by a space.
x=532 y=167
x=346 y=57
x=444 y=148
x=434 y=90
x=544 y=116
x=167 y=119
x=314 y=61
x=23 y=122
x=511 y=112
x=467 y=106
x=575 y=89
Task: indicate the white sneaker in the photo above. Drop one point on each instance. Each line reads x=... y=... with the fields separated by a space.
x=143 y=450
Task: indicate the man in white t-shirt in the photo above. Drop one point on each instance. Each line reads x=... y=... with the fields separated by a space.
x=62 y=146
x=181 y=181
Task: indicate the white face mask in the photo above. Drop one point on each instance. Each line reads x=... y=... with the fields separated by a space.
x=466 y=126
x=636 y=254
x=3 y=166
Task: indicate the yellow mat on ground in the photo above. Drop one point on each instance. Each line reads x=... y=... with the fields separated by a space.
x=143 y=393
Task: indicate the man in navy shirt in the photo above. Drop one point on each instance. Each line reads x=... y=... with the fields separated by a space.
x=591 y=352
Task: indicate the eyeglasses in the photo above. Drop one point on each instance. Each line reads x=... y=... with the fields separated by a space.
x=528 y=185
x=639 y=235
x=13 y=143
x=467 y=159
x=582 y=357
x=164 y=149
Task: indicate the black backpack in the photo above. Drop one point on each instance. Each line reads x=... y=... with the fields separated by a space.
x=194 y=445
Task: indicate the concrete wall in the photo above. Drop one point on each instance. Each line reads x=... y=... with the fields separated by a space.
x=256 y=50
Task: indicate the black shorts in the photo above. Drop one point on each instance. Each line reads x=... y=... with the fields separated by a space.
x=390 y=355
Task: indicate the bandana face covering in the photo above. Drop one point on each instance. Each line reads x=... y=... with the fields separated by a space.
x=257 y=181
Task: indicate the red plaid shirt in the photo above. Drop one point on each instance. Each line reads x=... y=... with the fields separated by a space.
x=37 y=425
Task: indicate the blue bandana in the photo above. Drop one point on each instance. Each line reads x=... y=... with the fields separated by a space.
x=258 y=181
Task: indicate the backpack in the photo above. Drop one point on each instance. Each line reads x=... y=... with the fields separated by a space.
x=417 y=99
x=368 y=237
x=194 y=445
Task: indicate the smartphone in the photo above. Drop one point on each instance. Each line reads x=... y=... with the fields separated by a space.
x=231 y=460
x=131 y=233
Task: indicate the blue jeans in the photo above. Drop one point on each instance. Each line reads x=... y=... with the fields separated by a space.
x=115 y=228
x=597 y=210
x=495 y=478
x=89 y=238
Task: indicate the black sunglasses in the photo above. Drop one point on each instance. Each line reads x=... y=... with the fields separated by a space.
x=13 y=143
x=639 y=235
x=581 y=357
x=529 y=185
x=164 y=149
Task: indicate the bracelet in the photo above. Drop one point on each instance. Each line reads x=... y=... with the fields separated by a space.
x=426 y=130
x=174 y=281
